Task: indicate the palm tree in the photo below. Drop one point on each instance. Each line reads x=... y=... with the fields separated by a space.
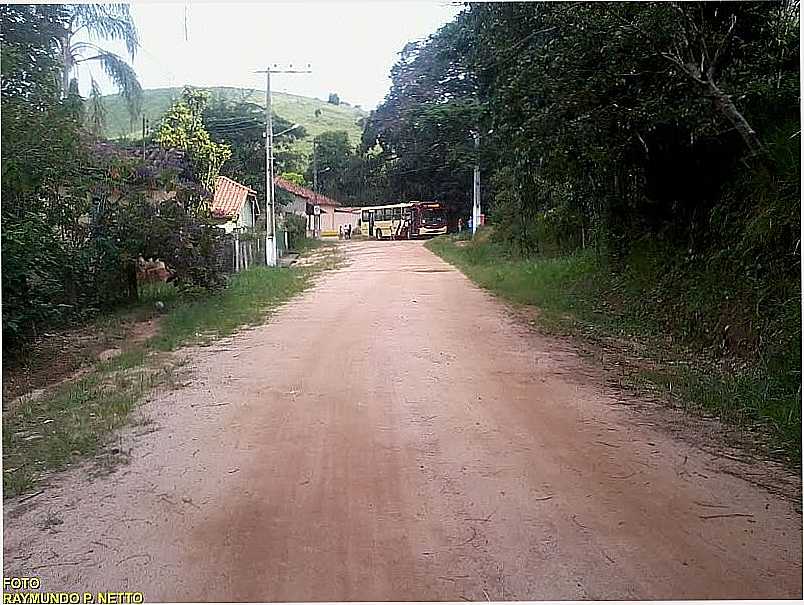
x=109 y=22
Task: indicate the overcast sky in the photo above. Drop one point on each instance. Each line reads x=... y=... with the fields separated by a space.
x=351 y=46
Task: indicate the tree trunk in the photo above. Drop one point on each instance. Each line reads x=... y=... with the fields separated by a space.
x=727 y=107
x=68 y=65
x=131 y=280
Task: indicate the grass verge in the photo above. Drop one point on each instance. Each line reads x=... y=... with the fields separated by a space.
x=576 y=295
x=75 y=420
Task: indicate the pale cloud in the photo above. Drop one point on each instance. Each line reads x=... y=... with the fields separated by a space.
x=351 y=46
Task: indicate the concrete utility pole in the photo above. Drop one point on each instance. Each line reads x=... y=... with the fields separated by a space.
x=313 y=218
x=315 y=167
x=271 y=250
x=476 y=196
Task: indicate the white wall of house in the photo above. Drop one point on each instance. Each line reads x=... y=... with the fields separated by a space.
x=246 y=219
x=328 y=221
x=344 y=217
x=298 y=206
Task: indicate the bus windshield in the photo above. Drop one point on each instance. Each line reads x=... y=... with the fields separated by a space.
x=432 y=216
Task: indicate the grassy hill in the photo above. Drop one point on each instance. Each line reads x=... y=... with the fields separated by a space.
x=294 y=108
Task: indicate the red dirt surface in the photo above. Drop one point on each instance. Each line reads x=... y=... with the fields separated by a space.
x=395 y=434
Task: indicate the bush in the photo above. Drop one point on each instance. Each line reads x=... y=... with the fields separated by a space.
x=296 y=227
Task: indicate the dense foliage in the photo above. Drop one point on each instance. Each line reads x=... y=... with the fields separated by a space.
x=182 y=127
x=37 y=158
x=663 y=135
x=75 y=218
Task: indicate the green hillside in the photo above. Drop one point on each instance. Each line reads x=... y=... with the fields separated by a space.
x=294 y=108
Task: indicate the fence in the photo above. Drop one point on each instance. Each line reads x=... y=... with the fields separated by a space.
x=241 y=251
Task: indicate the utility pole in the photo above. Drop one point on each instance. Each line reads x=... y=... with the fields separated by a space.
x=315 y=184
x=271 y=250
x=315 y=166
x=476 y=196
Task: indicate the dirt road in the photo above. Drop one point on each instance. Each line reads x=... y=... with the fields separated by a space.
x=394 y=434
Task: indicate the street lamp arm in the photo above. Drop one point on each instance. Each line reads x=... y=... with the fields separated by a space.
x=287 y=130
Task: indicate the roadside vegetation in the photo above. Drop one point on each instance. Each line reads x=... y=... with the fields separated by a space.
x=76 y=419
x=580 y=295
x=640 y=168
x=81 y=215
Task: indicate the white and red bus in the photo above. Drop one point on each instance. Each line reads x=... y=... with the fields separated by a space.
x=403 y=221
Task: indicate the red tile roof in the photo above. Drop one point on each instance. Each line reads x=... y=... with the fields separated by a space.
x=229 y=197
x=298 y=190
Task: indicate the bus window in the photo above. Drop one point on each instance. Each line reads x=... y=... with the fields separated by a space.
x=397 y=213
x=434 y=217
x=366 y=215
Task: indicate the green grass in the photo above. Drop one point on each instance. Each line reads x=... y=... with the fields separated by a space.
x=577 y=295
x=294 y=108
x=50 y=433
x=243 y=302
x=305 y=244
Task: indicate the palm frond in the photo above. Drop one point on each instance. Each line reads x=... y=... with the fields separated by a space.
x=97 y=110
x=124 y=77
x=107 y=22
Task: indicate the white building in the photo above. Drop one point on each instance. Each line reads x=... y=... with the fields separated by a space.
x=235 y=204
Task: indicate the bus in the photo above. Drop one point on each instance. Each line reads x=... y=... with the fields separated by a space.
x=403 y=221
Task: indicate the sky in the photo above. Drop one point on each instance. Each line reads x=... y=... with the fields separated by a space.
x=350 y=46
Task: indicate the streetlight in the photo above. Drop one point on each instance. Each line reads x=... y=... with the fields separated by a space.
x=476 y=188
x=271 y=251
x=269 y=170
x=287 y=130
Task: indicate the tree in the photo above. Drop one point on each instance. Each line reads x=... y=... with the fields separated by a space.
x=332 y=152
x=42 y=154
x=654 y=130
x=73 y=219
x=241 y=126
x=423 y=129
x=106 y=22
x=295 y=178
x=182 y=127
x=708 y=38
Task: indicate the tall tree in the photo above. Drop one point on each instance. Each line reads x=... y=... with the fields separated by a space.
x=182 y=127
x=424 y=127
x=104 y=22
x=332 y=154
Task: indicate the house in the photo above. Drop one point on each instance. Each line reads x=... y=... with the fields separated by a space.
x=347 y=216
x=235 y=205
x=304 y=202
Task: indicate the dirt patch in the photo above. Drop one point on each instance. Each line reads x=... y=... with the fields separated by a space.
x=56 y=357
x=142 y=331
x=745 y=451
x=361 y=446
